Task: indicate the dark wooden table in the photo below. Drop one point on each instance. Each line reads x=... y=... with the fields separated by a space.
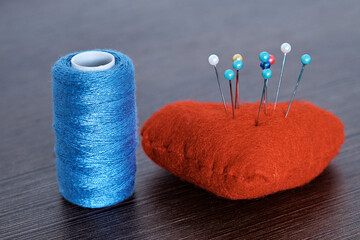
x=169 y=43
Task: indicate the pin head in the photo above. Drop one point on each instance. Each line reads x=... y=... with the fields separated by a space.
x=305 y=59
x=264 y=56
x=285 y=48
x=213 y=59
x=267 y=73
x=238 y=64
x=265 y=65
x=271 y=59
x=229 y=74
x=237 y=57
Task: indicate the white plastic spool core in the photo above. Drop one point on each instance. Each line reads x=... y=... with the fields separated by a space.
x=91 y=61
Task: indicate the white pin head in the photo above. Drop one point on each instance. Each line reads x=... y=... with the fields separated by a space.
x=213 y=59
x=285 y=48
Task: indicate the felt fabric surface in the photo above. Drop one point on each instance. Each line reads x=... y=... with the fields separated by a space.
x=235 y=159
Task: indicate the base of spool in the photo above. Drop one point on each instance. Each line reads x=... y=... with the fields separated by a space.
x=99 y=202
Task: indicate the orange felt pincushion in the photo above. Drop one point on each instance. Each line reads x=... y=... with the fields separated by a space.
x=235 y=159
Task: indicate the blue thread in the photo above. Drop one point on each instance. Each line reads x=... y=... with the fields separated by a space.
x=95 y=132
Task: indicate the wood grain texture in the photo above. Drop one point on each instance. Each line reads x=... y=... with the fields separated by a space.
x=169 y=43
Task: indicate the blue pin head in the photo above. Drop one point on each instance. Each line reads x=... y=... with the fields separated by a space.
x=265 y=65
x=237 y=65
x=264 y=56
x=229 y=74
x=266 y=73
x=305 y=59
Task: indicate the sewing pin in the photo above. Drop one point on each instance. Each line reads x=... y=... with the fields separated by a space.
x=237 y=65
x=237 y=57
x=285 y=48
x=229 y=75
x=264 y=58
x=266 y=73
x=265 y=96
x=305 y=60
x=271 y=62
x=265 y=65
x=214 y=60
x=271 y=59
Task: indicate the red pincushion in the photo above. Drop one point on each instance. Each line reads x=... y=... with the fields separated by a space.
x=235 y=159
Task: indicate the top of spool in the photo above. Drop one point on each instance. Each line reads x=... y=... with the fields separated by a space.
x=91 y=61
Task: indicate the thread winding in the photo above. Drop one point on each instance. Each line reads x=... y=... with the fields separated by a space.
x=95 y=132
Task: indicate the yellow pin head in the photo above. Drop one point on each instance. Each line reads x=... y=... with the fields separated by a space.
x=237 y=57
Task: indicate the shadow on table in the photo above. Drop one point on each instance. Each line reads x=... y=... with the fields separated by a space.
x=191 y=211
x=105 y=223
x=165 y=207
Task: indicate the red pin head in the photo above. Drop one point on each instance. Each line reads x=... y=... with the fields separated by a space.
x=271 y=59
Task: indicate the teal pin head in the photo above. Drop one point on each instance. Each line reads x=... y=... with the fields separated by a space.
x=305 y=59
x=267 y=73
x=264 y=56
x=229 y=74
x=237 y=65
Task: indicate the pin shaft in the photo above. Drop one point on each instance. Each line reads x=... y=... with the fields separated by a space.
x=237 y=93
x=222 y=95
x=279 y=83
x=232 y=100
x=293 y=95
x=261 y=101
x=265 y=96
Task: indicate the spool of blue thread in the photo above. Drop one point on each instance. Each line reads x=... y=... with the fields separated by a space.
x=95 y=127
